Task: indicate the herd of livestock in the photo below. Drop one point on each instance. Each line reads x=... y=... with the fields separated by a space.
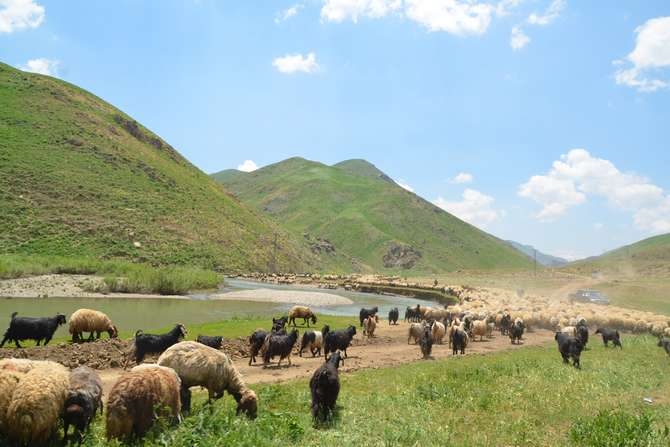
x=36 y=396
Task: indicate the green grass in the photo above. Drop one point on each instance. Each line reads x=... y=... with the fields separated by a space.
x=79 y=178
x=362 y=213
x=119 y=276
x=525 y=397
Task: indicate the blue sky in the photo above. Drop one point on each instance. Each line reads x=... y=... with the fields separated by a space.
x=556 y=111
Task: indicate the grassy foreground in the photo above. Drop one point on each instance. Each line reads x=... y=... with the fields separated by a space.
x=119 y=276
x=525 y=397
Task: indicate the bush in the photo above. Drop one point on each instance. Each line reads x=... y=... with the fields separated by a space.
x=618 y=429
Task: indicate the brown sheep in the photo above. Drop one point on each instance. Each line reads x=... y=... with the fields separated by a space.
x=303 y=312
x=93 y=321
x=369 y=325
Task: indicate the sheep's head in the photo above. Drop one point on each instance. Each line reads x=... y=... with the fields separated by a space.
x=113 y=331
x=248 y=404
x=313 y=319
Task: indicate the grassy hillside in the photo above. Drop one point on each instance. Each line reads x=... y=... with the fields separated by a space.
x=79 y=178
x=365 y=222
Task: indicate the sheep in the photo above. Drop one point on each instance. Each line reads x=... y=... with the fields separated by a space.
x=313 y=340
x=610 y=335
x=199 y=365
x=438 y=331
x=84 y=398
x=20 y=365
x=569 y=330
x=303 y=312
x=215 y=342
x=339 y=339
x=436 y=314
x=325 y=387
x=459 y=340
x=414 y=331
x=256 y=340
x=138 y=398
x=37 y=403
x=155 y=344
x=393 y=316
x=369 y=325
x=31 y=328
x=93 y=321
x=569 y=347
x=426 y=341
x=280 y=345
x=664 y=343
x=364 y=313
x=9 y=379
x=479 y=327
x=516 y=331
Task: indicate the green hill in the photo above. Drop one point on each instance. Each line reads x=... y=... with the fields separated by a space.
x=79 y=178
x=650 y=256
x=365 y=222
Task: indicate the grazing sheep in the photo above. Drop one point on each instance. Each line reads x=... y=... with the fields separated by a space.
x=426 y=341
x=37 y=403
x=569 y=347
x=414 y=331
x=364 y=313
x=339 y=339
x=280 y=345
x=215 y=341
x=313 y=340
x=93 y=321
x=369 y=325
x=438 y=332
x=303 y=312
x=610 y=335
x=256 y=340
x=664 y=342
x=325 y=387
x=31 y=328
x=139 y=398
x=516 y=331
x=436 y=314
x=459 y=340
x=84 y=398
x=394 y=315
x=199 y=365
x=155 y=344
x=479 y=327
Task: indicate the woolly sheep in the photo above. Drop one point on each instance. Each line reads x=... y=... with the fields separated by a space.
x=415 y=330
x=479 y=327
x=36 y=404
x=9 y=379
x=438 y=332
x=303 y=312
x=369 y=325
x=140 y=396
x=93 y=321
x=200 y=365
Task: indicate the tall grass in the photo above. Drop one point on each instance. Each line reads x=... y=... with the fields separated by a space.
x=119 y=276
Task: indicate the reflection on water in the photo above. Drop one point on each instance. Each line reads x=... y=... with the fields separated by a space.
x=151 y=313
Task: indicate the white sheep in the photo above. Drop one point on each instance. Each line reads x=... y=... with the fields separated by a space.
x=9 y=379
x=93 y=321
x=414 y=331
x=479 y=327
x=200 y=365
x=37 y=403
x=438 y=332
x=369 y=325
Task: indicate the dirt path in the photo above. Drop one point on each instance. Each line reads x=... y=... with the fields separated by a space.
x=388 y=348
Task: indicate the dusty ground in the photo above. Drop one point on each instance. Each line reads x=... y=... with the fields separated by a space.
x=388 y=348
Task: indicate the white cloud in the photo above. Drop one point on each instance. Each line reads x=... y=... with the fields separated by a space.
x=403 y=184
x=247 y=166
x=578 y=175
x=462 y=177
x=42 y=66
x=16 y=15
x=451 y=16
x=518 y=39
x=341 y=10
x=505 y=7
x=552 y=12
x=294 y=63
x=475 y=208
x=651 y=53
x=288 y=13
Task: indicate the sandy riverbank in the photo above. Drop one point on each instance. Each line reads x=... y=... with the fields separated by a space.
x=306 y=298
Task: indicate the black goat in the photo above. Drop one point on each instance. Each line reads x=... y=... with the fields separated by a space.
x=426 y=341
x=83 y=400
x=569 y=347
x=610 y=335
x=255 y=343
x=215 y=341
x=582 y=333
x=516 y=332
x=664 y=342
x=31 y=328
x=505 y=324
x=339 y=339
x=364 y=313
x=325 y=387
x=155 y=344
x=393 y=316
x=279 y=324
x=280 y=345
x=459 y=341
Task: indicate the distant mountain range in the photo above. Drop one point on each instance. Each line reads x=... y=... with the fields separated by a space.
x=542 y=258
